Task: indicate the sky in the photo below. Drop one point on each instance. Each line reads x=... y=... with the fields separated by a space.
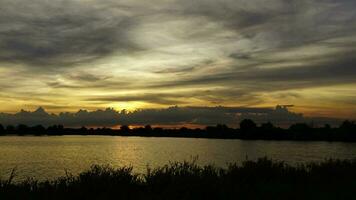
x=66 y=55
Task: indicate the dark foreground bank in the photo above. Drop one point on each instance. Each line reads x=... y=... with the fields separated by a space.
x=261 y=179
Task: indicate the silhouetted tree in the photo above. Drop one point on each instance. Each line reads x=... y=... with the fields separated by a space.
x=184 y=129
x=347 y=125
x=301 y=131
x=327 y=126
x=247 y=125
x=83 y=129
x=300 y=127
x=347 y=130
x=125 y=129
x=269 y=131
x=223 y=130
x=60 y=127
x=38 y=130
x=10 y=128
x=248 y=130
x=22 y=128
x=148 y=128
x=55 y=130
x=222 y=127
x=267 y=126
x=2 y=129
x=158 y=130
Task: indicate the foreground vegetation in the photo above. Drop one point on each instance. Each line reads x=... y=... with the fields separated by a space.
x=247 y=130
x=261 y=179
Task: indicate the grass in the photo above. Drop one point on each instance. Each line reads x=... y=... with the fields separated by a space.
x=261 y=179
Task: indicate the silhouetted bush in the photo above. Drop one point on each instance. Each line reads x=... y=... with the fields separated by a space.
x=125 y=129
x=55 y=130
x=347 y=125
x=247 y=125
x=260 y=179
x=10 y=129
x=22 y=128
x=148 y=128
x=267 y=126
x=2 y=129
x=38 y=130
x=300 y=127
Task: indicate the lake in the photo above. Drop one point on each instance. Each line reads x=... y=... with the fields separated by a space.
x=45 y=157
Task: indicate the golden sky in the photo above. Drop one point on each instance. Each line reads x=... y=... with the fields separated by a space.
x=70 y=54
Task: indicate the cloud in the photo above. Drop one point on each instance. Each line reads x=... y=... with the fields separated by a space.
x=67 y=33
x=92 y=53
x=157 y=98
x=336 y=70
x=87 y=77
x=60 y=32
x=176 y=116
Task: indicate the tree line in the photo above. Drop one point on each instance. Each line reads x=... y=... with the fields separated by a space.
x=248 y=129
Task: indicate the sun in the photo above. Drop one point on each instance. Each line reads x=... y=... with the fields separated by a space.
x=129 y=106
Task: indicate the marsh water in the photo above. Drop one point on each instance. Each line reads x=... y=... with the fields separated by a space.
x=49 y=157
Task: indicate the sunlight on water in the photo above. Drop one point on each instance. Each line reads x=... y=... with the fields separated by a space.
x=48 y=157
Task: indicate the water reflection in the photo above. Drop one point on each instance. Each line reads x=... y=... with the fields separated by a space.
x=48 y=157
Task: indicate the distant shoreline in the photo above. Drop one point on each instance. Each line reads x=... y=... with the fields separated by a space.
x=248 y=131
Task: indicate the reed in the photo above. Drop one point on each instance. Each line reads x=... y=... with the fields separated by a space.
x=260 y=179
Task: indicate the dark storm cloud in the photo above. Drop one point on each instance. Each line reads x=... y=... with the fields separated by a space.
x=58 y=33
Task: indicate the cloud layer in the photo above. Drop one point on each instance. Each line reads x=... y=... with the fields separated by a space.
x=69 y=54
x=172 y=116
x=60 y=33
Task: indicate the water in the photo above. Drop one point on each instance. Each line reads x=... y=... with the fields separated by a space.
x=49 y=157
